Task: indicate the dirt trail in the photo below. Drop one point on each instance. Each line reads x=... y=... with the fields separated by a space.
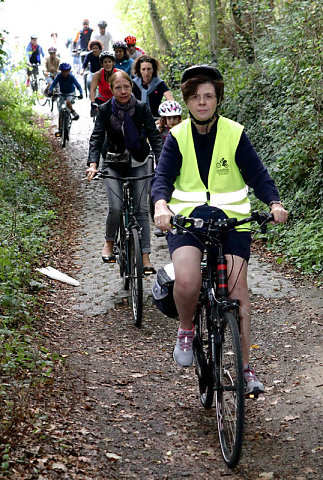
x=121 y=409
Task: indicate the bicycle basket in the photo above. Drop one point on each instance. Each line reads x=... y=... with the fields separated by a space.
x=163 y=291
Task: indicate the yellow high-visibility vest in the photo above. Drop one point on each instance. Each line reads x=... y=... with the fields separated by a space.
x=226 y=188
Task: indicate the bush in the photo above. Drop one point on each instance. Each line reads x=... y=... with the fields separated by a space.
x=26 y=212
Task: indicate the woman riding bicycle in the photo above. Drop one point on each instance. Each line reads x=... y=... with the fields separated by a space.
x=92 y=58
x=205 y=166
x=126 y=123
x=102 y=78
x=148 y=87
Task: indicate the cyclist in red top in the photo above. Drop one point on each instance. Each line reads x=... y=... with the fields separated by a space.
x=101 y=79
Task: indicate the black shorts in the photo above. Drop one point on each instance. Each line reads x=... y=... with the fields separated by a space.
x=236 y=243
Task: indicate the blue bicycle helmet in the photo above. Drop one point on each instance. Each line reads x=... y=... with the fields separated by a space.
x=65 y=66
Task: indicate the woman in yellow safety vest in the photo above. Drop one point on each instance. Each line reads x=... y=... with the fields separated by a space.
x=206 y=165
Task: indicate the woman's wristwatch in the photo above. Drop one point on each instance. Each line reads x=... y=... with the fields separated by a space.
x=273 y=202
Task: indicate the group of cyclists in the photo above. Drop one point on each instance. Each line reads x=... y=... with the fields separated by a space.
x=205 y=164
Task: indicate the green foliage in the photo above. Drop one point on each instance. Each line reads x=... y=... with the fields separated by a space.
x=270 y=55
x=278 y=99
x=26 y=212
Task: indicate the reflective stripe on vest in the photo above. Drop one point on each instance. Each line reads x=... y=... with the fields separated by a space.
x=227 y=189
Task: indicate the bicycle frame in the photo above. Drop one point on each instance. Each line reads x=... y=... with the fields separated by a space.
x=65 y=120
x=127 y=246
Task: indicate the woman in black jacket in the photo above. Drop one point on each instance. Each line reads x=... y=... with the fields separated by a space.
x=126 y=122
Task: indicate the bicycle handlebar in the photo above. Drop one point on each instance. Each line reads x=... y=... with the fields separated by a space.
x=101 y=174
x=181 y=223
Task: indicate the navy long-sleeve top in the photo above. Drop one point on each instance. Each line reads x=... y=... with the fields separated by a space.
x=253 y=171
x=94 y=62
x=67 y=85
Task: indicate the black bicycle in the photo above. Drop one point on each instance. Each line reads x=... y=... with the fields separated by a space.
x=33 y=70
x=216 y=344
x=127 y=246
x=65 y=120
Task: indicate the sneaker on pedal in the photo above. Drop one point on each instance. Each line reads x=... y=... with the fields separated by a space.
x=75 y=115
x=252 y=385
x=183 y=351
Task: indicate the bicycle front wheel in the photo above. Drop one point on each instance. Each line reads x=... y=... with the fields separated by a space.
x=41 y=97
x=136 y=290
x=63 y=129
x=230 y=391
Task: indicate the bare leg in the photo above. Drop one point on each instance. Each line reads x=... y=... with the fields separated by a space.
x=146 y=260
x=187 y=261
x=108 y=248
x=238 y=289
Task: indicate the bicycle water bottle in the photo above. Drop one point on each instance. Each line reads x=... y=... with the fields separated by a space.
x=221 y=277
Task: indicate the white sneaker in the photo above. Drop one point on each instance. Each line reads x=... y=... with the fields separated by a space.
x=252 y=384
x=183 y=351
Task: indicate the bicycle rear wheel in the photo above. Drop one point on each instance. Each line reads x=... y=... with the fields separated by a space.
x=230 y=392
x=136 y=290
x=41 y=97
x=121 y=252
x=203 y=357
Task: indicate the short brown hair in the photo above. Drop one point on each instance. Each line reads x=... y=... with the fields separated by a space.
x=97 y=43
x=149 y=59
x=190 y=86
x=119 y=73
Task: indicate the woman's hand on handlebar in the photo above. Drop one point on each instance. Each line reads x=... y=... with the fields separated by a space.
x=162 y=215
x=279 y=213
x=91 y=171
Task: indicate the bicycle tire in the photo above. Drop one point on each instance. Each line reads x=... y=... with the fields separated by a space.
x=85 y=86
x=120 y=248
x=203 y=357
x=136 y=271
x=41 y=97
x=34 y=83
x=63 y=128
x=230 y=391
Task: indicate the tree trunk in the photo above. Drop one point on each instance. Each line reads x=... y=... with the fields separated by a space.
x=214 y=40
x=161 y=38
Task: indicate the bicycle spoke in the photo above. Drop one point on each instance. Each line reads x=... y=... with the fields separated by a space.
x=120 y=251
x=203 y=358
x=41 y=97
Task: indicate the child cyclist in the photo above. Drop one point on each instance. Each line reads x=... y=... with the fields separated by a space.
x=67 y=83
x=170 y=115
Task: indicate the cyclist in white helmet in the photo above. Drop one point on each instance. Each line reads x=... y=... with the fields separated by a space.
x=103 y=35
x=170 y=113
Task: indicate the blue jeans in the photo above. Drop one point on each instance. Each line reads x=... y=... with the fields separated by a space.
x=139 y=191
